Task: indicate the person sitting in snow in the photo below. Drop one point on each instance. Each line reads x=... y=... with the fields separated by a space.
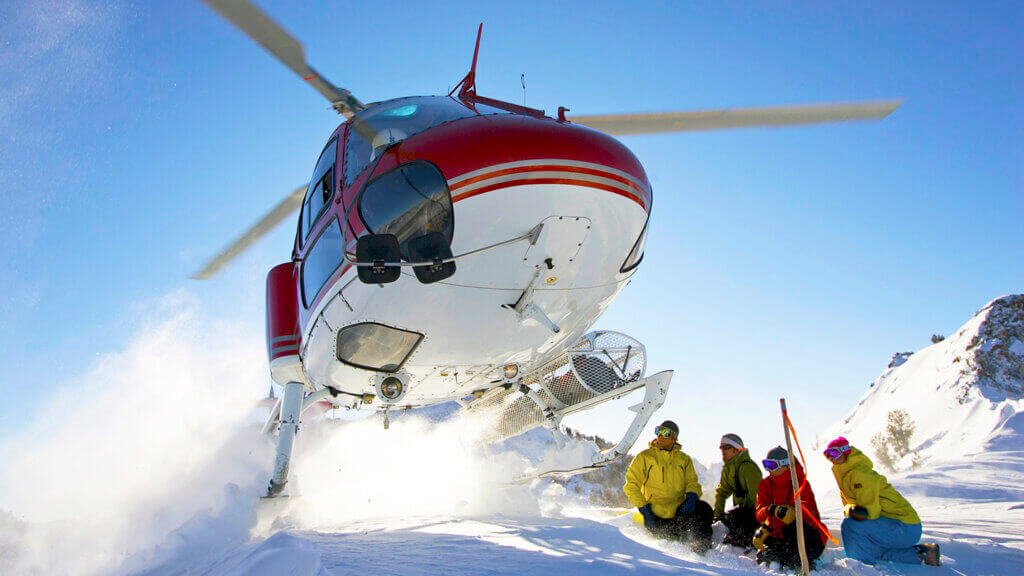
x=740 y=479
x=662 y=483
x=776 y=539
x=880 y=524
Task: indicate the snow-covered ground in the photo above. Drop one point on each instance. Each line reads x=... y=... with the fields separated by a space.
x=423 y=517
x=87 y=497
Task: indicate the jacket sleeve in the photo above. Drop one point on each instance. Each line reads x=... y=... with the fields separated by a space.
x=692 y=482
x=864 y=487
x=636 y=476
x=722 y=493
x=763 y=501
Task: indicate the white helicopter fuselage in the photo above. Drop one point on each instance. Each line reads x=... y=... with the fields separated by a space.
x=470 y=332
x=520 y=303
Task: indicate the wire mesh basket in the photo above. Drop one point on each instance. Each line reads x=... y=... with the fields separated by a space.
x=599 y=363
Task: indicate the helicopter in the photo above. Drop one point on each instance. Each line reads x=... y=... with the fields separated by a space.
x=459 y=248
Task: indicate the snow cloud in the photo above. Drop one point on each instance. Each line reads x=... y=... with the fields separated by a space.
x=129 y=451
x=417 y=468
x=155 y=454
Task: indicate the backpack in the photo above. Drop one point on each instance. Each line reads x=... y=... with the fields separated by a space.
x=739 y=492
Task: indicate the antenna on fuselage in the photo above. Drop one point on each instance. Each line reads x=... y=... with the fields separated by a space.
x=468 y=84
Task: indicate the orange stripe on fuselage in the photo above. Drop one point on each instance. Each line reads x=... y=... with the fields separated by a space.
x=549 y=168
x=568 y=181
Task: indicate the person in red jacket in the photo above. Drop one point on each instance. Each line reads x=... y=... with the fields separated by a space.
x=776 y=538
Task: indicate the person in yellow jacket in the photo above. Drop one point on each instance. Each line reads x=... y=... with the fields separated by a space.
x=662 y=483
x=880 y=525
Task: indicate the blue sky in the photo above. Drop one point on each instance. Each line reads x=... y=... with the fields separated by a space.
x=137 y=139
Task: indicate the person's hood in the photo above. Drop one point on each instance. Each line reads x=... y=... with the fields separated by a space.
x=740 y=458
x=856 y=459
x=743 y=456
x=675 y=447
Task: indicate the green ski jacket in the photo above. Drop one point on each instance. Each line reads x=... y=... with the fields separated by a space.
x=740 y=478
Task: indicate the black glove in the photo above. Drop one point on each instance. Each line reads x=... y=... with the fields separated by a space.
x=645 y=511
x=784 y=513
x=857 y=512
x=690 y=503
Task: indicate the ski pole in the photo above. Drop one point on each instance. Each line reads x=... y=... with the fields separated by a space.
x=804 y=569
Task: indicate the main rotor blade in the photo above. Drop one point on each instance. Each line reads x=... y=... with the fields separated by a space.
x=290 y=204
x=696 y=120
x=284 y=47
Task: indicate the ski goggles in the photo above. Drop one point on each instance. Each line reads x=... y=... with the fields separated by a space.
x=770 y=465
x=835 y=453
x=664 y=432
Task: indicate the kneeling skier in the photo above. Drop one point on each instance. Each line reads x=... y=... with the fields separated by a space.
x=662 y=483
x=776 y=539
x=880 y=524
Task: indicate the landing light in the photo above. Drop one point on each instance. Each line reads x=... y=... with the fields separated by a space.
x=391 y=388
x=511 y=371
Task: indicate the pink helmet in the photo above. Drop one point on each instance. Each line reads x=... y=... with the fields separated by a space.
x=837 y=448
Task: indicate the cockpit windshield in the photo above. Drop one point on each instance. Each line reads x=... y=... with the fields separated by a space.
x=396 y=120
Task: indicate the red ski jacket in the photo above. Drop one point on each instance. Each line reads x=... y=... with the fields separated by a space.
x=779 y=490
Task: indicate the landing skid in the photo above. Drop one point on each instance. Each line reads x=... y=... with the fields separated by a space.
x=274 y=514
x=572 y=472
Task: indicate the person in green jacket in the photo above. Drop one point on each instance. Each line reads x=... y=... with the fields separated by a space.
x=662 y=483
x=740 y=479
x=880 y=525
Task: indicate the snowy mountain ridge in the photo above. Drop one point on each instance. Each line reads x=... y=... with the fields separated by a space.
x=964 y=469
x=959 y=391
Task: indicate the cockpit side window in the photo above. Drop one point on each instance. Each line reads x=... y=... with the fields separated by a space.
x=320 y=189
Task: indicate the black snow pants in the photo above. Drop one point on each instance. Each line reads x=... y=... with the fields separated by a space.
x=693 y=528
x=741 y=524
x=784 y=551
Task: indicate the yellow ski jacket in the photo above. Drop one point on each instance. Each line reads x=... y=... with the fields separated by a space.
x=860 y=485
x=661 y=478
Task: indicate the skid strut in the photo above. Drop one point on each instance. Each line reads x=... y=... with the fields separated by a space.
x=655 y=391
x=288 y=427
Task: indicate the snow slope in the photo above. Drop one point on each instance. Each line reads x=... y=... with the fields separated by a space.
x=966 y=396
x=959 y=391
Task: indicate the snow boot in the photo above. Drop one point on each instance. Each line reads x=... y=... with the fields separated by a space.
x=929 y=554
